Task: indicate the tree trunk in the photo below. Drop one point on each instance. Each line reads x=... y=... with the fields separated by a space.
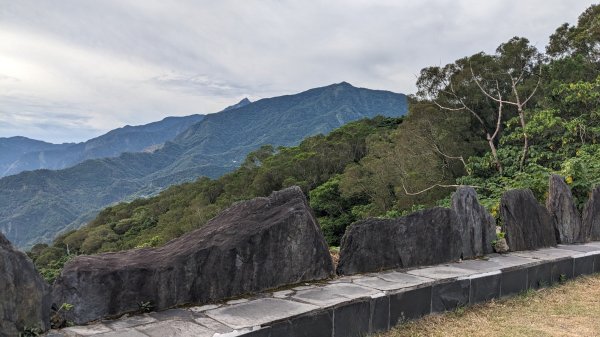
x=494 y=153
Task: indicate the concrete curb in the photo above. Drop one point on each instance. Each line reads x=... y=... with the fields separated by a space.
x=361 y=304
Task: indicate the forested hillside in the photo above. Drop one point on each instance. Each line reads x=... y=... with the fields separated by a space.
x=493 y=121
x=35 y=206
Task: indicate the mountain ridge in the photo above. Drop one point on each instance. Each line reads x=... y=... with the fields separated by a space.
x=40 y=204
x=34 y=154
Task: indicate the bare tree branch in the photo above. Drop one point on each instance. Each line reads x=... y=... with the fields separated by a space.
x=432 y=187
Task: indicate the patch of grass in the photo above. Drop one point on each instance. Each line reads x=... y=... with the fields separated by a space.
x=571 y=309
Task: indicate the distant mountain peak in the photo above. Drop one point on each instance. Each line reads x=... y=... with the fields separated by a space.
x=245 y=101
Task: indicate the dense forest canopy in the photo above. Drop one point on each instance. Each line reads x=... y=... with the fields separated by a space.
x=493 y=121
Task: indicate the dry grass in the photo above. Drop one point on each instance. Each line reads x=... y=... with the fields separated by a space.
x=572 y=309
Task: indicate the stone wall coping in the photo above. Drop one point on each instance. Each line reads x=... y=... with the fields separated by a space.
x=359 y=304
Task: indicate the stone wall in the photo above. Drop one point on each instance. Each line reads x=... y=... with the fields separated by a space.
x=24 y=295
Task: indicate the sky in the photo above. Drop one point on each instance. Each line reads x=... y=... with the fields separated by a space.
x=71 y=70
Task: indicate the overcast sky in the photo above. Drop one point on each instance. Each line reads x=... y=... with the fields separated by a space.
x=71 y=70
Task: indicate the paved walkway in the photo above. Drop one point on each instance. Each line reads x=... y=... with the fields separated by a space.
x=358 y=305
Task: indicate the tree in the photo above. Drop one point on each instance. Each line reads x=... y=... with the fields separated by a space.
x=582 y=39
x=485 y=86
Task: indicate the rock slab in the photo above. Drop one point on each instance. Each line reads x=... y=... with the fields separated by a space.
x=527 y=224
x=478 y=227
x=422 y=238
x=252 y=246
x=24 y=294
x=591 y=216
x=561 y=206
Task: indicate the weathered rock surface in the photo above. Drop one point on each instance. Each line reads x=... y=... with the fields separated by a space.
x=252 y=246
x=422 y=238
x=477 y=226
x=24 y=294
x=567 y=221
x=527 y=224
x=591 y=216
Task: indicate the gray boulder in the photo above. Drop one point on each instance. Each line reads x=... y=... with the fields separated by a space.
x=567 y=222
x=24 y=294
x=478 y=227
x=526 y=223
x=424 y=238
x=252 y=246
x=591 y=216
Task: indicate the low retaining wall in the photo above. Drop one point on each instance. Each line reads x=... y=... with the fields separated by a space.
x=362 y=304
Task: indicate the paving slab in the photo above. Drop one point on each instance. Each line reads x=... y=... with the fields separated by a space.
x=333 y=294
x=175 y=328
x=404 y=280
x=204 y=308
x=375 y=283
x=173 y=314
x=442 y=272
x=258 y=312
x=496 y=262
x=130 y=322
x=546 y=254
x=123 y=333
x=55 y=333
x=213 y=325
x=584 y=248
x=86 y=330
x=593 y=243
x=283 y=293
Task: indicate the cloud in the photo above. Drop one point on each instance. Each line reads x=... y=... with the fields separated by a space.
x=117 y=62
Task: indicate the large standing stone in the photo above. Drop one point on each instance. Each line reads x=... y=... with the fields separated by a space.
x=252 y=246
x=423 y=238
x=526 y=223
x=591 y=216
x=24 y=294
x=477 y=226
x=562 y=209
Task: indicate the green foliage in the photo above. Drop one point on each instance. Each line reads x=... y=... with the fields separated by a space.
x=145 y=306
x=30 y=332
x=59 y=319
x=564 y=136
x=562 y=278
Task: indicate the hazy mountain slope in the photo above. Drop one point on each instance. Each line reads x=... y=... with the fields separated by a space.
x=39 y=204
x=32 y=154
x=12 y=148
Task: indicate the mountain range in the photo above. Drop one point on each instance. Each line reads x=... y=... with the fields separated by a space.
x=19 y=154
x=36 y=205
